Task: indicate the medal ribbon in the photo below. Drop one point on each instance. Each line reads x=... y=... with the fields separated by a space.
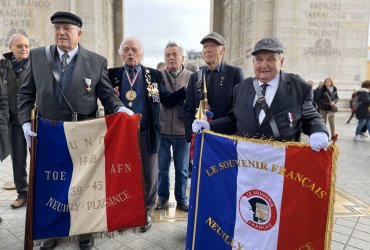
x=132 y=82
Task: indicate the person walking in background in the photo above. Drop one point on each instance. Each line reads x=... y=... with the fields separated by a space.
x=16 y=67
x=326 y=99
x=173 y=132
x=142 y=90
x=363 y=109
x=352 y=105
x=316 y=93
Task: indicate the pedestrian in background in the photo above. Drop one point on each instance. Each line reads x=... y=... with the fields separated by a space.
x=326 y=99
x=16 y=67
x=363 y=110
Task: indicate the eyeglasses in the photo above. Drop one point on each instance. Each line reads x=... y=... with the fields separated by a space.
x=66 y=29
x=20 y=46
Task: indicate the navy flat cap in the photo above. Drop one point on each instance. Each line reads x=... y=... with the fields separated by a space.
x=66 y=17
x=270 y=44
x=214 y=37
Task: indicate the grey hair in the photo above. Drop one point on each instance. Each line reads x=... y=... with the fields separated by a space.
x=141 y=47
x=173 y=44
x=14 y=36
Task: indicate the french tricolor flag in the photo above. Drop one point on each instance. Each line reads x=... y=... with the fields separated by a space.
x=253 y=194
x=88 y=177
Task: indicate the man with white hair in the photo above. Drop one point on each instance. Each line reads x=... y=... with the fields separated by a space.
x=142 y=90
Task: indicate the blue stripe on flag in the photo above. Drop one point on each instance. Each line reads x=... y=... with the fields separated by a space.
x=217 y=151
x=53 y=176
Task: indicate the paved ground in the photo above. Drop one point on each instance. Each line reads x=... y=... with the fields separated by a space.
x=351 y=225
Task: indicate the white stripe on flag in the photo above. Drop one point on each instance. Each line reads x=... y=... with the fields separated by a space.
x=249 y=179
x=86 y=147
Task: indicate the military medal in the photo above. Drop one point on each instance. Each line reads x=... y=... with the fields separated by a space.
x=88 y=84
x=131 y=94
x=290 y=119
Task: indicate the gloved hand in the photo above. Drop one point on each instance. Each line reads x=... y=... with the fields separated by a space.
x=199 y=125
x=28 y=133
x=125 y=110
x=319 y=140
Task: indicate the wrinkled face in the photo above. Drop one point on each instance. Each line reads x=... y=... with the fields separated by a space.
x=20 y=47
x=267 y=65
x=212 y=52
x=131 y=53
x=173 y=58
x=67 y=36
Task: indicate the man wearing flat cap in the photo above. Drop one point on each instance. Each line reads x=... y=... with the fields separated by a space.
x=288 y=98
x=82 y=79
x=219 y=79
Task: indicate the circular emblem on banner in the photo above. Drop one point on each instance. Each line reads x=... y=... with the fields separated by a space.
x=257 y=210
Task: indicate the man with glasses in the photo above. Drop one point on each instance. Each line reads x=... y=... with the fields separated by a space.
x=14 y=68
x=83 y=79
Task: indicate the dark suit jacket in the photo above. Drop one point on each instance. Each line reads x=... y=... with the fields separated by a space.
x=167 y=99
x=40 y=80
x=4 y=121
x=293 y=95
x=222 y=95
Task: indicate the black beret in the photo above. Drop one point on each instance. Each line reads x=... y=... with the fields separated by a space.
x=66 y=17
x=270 y=44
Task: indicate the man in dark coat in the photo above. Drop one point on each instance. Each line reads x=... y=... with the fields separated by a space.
x=16 y=67
x=83 y=79
x=287 y=95
x=142 y=90
x=363 y=110
x=220 y=80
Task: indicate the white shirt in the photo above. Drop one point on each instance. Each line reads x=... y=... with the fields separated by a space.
x=269 y=95
x=71 y=54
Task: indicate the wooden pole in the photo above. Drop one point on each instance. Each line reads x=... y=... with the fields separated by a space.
x=28 y=234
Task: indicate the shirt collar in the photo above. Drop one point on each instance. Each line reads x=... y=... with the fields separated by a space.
x=71 y=54
x=218 y=69
x=274 y=82
x=126 y=67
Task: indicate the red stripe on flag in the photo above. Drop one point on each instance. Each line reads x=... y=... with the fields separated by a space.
x=123 y=173
x=306 y=191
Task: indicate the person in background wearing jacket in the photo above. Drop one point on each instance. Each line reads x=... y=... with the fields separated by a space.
x=173 y=132
x=328 y=97
x=362 y=111
x=17 y=66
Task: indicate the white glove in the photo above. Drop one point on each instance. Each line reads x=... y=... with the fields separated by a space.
x=125 y=110
x=199 y=125
x=28 y=133
x=319 y=140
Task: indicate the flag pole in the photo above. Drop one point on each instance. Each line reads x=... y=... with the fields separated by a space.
x=28 y=234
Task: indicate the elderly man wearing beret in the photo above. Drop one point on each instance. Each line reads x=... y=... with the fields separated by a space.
x=67 y=80
x=287 y=111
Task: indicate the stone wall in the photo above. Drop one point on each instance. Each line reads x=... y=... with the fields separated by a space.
x=322 y=38
x=102 y=23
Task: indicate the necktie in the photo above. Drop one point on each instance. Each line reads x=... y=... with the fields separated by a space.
x=131 y=72
x=257 y=106
x=64 y=61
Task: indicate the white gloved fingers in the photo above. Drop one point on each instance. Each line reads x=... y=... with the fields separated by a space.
x=125 y=110
x=199 y=125
x=28 y=133
x=318 y=141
